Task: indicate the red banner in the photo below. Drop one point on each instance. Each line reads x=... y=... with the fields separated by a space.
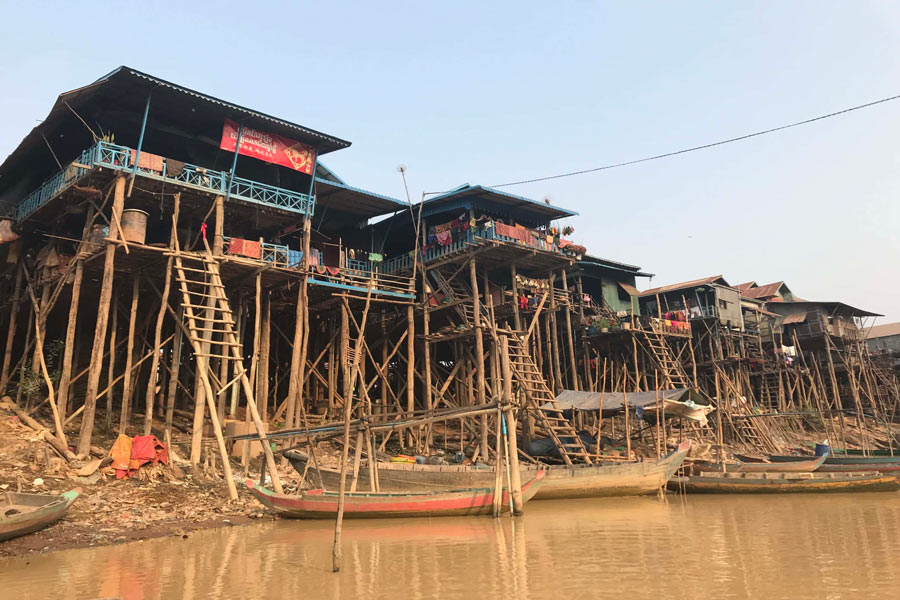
x=269 y=147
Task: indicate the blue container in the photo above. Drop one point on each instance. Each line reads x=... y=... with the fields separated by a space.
x=822 y=449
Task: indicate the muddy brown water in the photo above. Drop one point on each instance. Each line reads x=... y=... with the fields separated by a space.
x=816 y=546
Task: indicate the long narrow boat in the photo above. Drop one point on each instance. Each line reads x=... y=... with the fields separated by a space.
x=319 y=504
x=849 y=464
x=799 y=466
x=626 y=478
x=785 y=483
x=26 y=513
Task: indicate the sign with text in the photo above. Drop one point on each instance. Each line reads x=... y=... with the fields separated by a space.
x=269 y=147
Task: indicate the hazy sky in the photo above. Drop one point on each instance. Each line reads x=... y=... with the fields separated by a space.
x=494 y=92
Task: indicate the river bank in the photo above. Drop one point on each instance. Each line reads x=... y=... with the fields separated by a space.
x=158 y=501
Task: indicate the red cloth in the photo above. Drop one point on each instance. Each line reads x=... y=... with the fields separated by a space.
x=144 y=449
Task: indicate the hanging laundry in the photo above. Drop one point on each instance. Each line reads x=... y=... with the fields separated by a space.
x=444 y=238
x=295 y=258
x=332 y=270
x=150 y=162
x=252 y=249
x=442 y=227
x=375 y=257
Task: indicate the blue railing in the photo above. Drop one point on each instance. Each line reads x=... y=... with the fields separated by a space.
x=113 y=156
x=400 y=263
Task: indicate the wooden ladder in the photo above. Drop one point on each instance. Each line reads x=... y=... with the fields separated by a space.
x=674 y=375
x=209 y=322
x=537 y=393
x=456 y=291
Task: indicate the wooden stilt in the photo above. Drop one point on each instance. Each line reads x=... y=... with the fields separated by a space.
x=90 y=401
x=127 y=384
x=11 y=328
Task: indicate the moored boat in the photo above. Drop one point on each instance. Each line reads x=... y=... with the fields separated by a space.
x=26 y=513
x=624 y=478
x=321 y=504
x=785 y=483
x=848 y=464
x=799 y=466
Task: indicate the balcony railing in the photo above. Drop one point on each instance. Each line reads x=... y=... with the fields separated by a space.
x=120 y=158
x=460 y=243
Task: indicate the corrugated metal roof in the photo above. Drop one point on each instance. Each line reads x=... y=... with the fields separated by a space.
x=762 y=291
x=886 y=330
x=685 y=284
x=543 y=209
x=794 y=318
x=129 y=72
x=835 y=308
x=629 y=289
x=743 y=287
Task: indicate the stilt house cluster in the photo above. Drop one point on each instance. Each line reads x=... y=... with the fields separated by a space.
x=177 y=264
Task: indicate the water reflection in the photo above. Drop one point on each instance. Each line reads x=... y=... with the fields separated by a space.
x=839 y=546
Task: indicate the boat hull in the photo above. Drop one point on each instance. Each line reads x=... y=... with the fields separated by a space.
x=36 y=511
x=711 y=484
x=560 y=482
x=849 y=464
x=320 y=504
x=800 y=466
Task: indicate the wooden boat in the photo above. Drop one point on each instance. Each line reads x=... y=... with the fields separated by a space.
x=785 y=483
x=799 y=466
x=849 y=464
x=320 y=504
x=625 y=478
x=26 y=513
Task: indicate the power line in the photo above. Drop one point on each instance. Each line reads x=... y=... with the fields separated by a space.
x=695 y=148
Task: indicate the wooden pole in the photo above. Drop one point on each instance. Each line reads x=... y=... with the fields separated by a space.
x=498 y=468
x=410 y=363
x=111 y=366
x=569 y=335
x=517 y=321
x=11 y=329
x=348 y=401
x=90 y=401
x=479 y=351
x=127 y=384
x=173 y=378
x=516 y=491
x=69 y=350
x=627 y=413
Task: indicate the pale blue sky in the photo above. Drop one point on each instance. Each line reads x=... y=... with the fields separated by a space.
x=493 y=92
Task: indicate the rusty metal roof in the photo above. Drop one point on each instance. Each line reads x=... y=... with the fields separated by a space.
x=715 y=279
x=762 y=291
x=880 y=331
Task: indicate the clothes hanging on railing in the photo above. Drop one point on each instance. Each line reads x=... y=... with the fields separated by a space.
x=314 y=257
x=295 y=257
x=174 y=168
x=150 y=162
x=444 y=238
x=242 y=247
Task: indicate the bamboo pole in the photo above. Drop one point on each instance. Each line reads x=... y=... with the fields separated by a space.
x=479 y=351
x=42 y=365
x=111 y=366
x=69 y=350
x=516 y=485
x=348 y=401
x=173 y=377
x=569 y=338
x=11 y=328
x=127 y=384
x=90 y=402
x=410 y=363
x=160 y=318
x=498 y=468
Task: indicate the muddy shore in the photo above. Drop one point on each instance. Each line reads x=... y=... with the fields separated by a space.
x=158 y=501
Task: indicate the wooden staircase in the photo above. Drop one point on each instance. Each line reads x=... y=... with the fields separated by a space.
x=210 y=324
x=674 y=375
x=537 y=393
